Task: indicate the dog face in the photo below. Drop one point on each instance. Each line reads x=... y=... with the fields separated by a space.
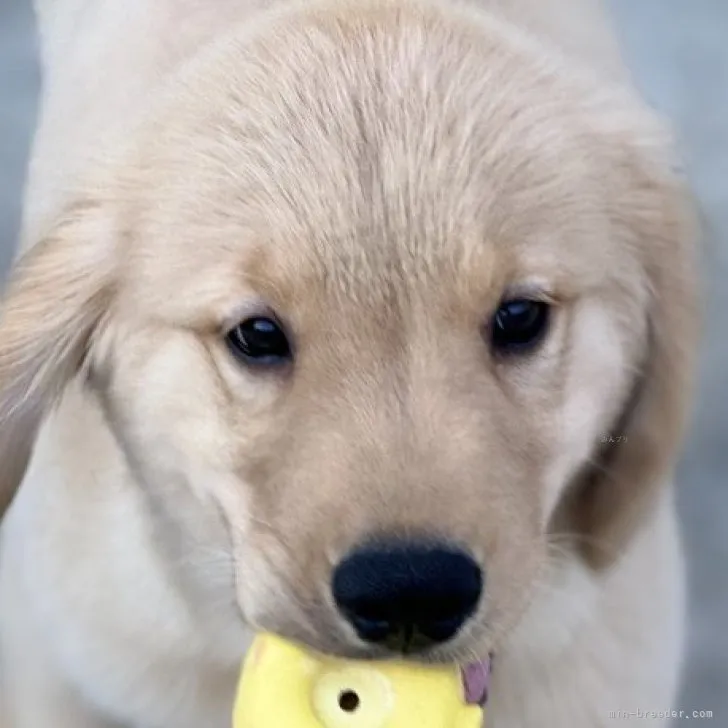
x=367 y=276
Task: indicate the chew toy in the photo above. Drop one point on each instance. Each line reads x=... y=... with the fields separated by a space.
x=284 y=685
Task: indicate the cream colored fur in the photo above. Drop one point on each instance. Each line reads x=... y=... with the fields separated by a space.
x=143 y=542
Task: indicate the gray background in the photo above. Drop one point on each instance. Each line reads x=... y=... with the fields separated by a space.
x=678 y=50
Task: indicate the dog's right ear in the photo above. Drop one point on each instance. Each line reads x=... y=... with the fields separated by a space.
x=55 y=297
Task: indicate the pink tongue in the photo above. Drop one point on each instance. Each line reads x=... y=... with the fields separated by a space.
x=476 y=677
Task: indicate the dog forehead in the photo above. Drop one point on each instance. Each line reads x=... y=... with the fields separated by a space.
x=352 y=116
x=374 y=167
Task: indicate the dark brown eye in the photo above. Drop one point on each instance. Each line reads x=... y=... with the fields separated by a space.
x=260 y=341
x=519 y=325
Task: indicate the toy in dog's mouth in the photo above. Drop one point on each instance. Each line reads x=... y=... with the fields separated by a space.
x=476 y=681
x=286 y=684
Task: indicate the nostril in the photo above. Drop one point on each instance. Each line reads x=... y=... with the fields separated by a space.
x=442 y=630
x=407 y=593
x=371 y=630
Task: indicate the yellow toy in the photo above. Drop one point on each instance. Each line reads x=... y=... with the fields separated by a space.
x=286 y=686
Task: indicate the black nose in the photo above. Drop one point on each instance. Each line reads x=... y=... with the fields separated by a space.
x=407 y=596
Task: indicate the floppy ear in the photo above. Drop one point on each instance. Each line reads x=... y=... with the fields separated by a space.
x=56 y=294
x=611 y=498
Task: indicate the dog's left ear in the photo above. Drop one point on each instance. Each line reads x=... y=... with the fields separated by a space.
x=55 y=297
x=608 y=501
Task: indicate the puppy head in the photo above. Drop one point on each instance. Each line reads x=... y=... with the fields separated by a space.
x=372 y=273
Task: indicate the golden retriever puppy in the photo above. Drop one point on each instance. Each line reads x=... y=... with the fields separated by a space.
x=367 y=322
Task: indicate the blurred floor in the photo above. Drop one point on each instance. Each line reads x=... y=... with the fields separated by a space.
x=679 y=52
x=19 y=79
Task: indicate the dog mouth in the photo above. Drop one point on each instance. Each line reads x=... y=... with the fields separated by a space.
x=476 y=681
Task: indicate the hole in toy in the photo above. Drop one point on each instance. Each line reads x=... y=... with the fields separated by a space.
x=349 y=701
